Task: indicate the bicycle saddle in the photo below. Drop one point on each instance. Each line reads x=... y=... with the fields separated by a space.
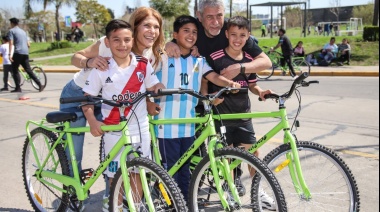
x=59 y=116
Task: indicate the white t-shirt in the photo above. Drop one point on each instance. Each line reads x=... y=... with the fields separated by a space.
x=4 y=50
x=123 y=84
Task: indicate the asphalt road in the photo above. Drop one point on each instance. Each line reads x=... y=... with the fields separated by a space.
x=339 y=112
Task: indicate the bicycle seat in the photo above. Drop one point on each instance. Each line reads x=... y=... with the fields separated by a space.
x=59 y=116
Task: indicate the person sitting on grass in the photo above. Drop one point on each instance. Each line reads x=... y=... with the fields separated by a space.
x=345 y=51
x=329 y=51
x=299 y=51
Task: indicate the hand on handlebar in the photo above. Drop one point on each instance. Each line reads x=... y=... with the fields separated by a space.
x=263 y=93
x=235 y=85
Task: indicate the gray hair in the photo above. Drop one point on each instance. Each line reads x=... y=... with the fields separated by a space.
x=209 y=3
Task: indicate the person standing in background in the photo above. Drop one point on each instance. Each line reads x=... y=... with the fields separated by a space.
x=6 y=53
x=19 y=39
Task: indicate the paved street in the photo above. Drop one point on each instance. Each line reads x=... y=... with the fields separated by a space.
x=340 y=112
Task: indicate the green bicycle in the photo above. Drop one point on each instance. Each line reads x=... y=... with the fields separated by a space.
x=300 y=65
x=324 y=183
x=212 y=187
x=50 y=186
x=24 y=77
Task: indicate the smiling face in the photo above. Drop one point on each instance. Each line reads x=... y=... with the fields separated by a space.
x=212 y=20
x=147 y=32
x=237 y=37
x=186 y=37
x=120 y=42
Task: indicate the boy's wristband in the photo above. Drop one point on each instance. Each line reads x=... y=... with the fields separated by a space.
x=242 y=68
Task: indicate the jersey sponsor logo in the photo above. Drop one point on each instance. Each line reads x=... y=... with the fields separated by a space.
x=87 y=82
x=171 y=65
x=108 y=80
x=140 y=76
x=126 y=96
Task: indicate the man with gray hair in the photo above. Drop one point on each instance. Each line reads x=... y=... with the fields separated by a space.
x=212 y=26
x=19 y=39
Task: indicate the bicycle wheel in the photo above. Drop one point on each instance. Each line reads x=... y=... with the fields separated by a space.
x=40 y=74
x=301 y=66
x=41 y=196
x=166 y=196
x=11 y=81
x=331 y=183
x=204 y=197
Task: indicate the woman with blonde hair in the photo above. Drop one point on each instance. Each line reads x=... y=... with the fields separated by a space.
x=148 y=41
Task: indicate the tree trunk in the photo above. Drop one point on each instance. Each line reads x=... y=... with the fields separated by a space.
x=57 y=22
x=375 y=21
x=95 y=30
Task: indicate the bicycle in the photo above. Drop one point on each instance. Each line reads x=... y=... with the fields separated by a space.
x=300 y=65
x=37 y=70
x=212 y=187
x=48 y=181
x=324 y=179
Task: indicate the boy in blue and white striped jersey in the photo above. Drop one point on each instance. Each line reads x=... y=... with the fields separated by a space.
x=183 y=72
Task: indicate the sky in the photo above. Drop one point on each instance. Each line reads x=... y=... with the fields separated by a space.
x=15 y=6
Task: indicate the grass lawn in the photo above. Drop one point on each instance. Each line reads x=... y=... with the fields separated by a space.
x=363 y=53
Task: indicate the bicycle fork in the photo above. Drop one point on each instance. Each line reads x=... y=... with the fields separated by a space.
x=222 y=168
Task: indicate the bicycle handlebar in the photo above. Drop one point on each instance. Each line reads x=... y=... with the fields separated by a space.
x=196 y=94
x=96 y=100
x=298 y=81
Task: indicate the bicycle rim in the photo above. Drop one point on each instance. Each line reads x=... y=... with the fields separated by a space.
x=301 y=66
x=11 y=81
x=42 y=197
x=164 y=192
x=265 y=74
x=40 y=74
x=331 y=183
x=203 y=194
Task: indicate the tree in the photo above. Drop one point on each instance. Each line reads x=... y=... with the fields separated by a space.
x=171 y=8
x=365 y=12
x=335 y=8
x=57 y=4
x=294 y=16
x=90 y=12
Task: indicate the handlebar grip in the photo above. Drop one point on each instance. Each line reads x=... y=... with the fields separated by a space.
x=168 y=91
x=74 y=99
x=314 y=81
x=269 y=96
x=301 y=77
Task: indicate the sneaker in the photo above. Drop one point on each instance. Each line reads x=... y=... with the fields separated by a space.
x=16 y=90
x=105 y=203
x=4 y=89
x=239 y=186
x=266 y=202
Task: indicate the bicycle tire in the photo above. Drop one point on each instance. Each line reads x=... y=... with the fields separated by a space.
x=267 y=73
x=40 y=74
x=204 y=197
x=301 y=66
x=326 y=165
x=156 y=175
x=11 y=81
x=41 y=197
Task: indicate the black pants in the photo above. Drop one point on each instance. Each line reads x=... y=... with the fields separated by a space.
x=345 y=57
x=6 y=69
x=288 y=60
x=263 y=33
x=23 y=60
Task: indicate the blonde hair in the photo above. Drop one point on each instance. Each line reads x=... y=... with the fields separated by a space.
x=137 y=17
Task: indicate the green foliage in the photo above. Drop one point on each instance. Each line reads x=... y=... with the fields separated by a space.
x=59 y=45
x=171 y=8
x=91 y=12
x=365 y=12
x=371 y=33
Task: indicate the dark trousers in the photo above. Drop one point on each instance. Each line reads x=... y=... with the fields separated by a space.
x=23 y=60
x=345 y=57
x=263 y=33
x=288 y=60
x=7 y=68
x=171 y=150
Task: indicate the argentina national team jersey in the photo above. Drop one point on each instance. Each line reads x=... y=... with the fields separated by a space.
x=184 y=72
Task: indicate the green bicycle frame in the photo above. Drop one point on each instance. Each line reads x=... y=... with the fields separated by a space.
x=293 y=157
x=207 y=132
x=82 y=191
